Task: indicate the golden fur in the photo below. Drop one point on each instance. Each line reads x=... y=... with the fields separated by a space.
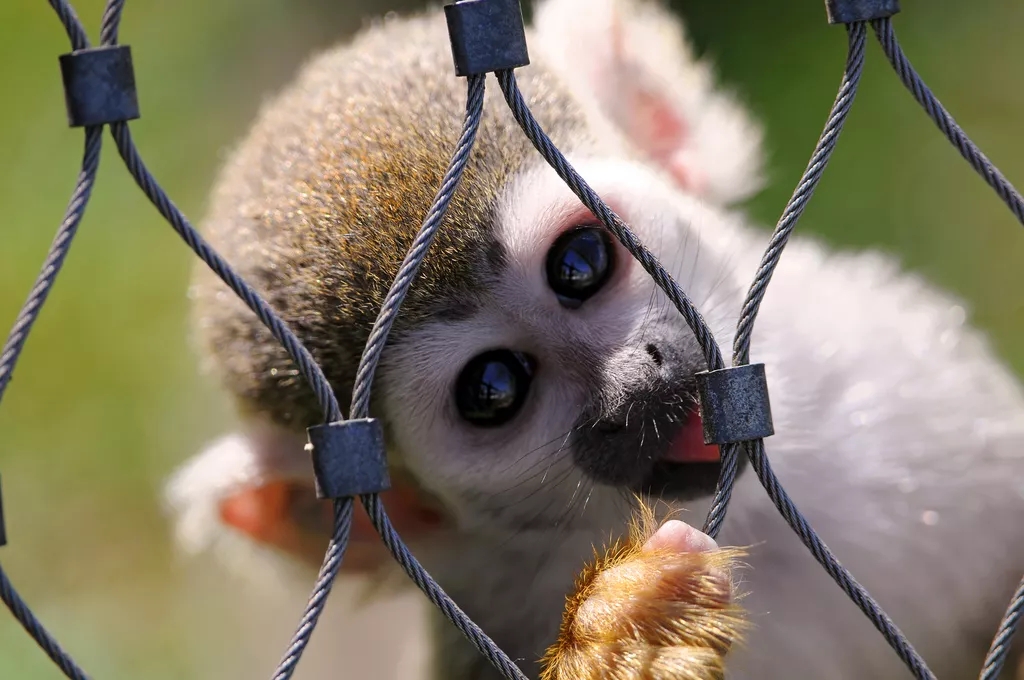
x=638 y=613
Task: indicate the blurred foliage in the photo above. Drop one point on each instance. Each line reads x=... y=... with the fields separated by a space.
x=107 y=399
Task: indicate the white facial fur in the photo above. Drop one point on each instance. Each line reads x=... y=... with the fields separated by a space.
x=523 y=469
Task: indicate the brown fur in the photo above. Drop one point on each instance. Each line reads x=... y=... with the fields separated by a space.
x=322 y=234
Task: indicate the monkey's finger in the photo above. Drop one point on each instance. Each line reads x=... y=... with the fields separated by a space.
x=680 y=537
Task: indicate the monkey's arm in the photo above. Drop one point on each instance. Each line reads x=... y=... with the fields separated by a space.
x=658 y=605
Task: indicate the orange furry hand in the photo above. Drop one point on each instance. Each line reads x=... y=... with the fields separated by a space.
x=657 y=606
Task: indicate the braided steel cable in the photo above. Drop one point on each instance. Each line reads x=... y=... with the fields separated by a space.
x=804 y=190
x=321 y=589
x=854 y=590
x=371 y=357
x=27 y=317
x=886 y=35
x=997 y=653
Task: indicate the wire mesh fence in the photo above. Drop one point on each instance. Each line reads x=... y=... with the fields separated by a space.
x=95 y=108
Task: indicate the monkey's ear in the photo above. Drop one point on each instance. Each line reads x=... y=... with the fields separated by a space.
x=629 y=62
x=252 y=495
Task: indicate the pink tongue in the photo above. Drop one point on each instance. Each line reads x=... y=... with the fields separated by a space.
x=689 y=446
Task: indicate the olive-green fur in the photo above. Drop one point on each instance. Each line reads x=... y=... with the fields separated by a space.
x=318 y=206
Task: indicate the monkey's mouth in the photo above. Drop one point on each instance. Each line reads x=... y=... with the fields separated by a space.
x=688 y=468
x=651 y=443
x=659 y=452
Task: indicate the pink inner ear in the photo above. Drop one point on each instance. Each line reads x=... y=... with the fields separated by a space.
x=650 y=121
x=656 y=128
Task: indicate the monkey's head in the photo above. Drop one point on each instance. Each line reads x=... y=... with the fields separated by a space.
x=536 y=375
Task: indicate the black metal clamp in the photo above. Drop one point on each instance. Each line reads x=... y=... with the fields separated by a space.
x=99 y=85
x=486 y=36
x=851 y=11
x=734 y=404
x=348 y=458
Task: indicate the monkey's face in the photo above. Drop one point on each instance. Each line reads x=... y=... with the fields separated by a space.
x=535 y=374
x=569 y=379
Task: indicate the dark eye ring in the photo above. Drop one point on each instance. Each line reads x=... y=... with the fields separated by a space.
x=492 y=387
x=579 y=263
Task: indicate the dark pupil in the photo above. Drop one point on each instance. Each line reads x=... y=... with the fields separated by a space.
x=579 y=263
x=491 y=388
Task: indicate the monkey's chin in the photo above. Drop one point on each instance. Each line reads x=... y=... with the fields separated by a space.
x=681 y=481
x=688 y=470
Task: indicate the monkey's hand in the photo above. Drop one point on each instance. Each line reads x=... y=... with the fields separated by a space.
x=657 y=606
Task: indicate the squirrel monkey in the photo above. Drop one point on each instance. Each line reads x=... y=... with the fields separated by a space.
x=537 y=380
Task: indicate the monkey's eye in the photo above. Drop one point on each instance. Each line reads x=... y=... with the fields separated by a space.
x=579 y=263
x=492 y=387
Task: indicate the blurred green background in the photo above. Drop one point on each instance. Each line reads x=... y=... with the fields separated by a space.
x=107 y=400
